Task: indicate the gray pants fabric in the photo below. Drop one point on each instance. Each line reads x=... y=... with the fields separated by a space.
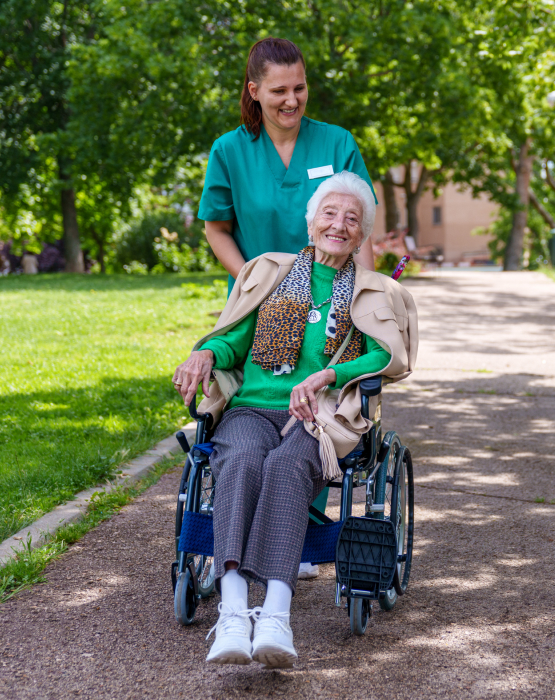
x=265 y=484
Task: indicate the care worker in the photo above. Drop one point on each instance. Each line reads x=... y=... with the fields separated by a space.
x=261 y=176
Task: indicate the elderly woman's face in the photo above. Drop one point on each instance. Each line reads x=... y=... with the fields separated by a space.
x=337 y=226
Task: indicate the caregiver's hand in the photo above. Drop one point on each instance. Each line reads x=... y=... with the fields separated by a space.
x=304 y=410
x=191 y=373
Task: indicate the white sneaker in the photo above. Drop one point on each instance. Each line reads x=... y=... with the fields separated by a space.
x=308 y=570
x=233 y=637
x=272 y=644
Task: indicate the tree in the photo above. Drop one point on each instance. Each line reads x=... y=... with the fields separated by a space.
x=35 y=44
x=517 y=67
x=170 y=76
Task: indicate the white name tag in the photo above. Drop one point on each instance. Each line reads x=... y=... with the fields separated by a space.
x=322 y=171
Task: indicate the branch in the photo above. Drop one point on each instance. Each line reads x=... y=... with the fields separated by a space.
x=424 y=174
x=542 y=211
x=549 y=176
x=383 y=72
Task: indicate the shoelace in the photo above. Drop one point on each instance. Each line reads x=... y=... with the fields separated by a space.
x=230 y=620
x=280 y=619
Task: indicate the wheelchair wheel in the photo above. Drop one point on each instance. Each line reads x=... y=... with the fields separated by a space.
x=398 y=498
x=403 y=508
x=204 y=566
x=184 y=601
x=359 y=613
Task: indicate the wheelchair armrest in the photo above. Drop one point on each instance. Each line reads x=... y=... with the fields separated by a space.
x=371 y=386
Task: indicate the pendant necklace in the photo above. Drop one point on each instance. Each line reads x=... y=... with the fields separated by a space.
x=314 y=316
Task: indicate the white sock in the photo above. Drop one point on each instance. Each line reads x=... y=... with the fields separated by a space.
x=235 y=590
x=278 y=597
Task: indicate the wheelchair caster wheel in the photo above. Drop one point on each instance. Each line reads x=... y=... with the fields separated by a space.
x=174 y=575
x=185 y=599
x=388 y=603
x=360 y=610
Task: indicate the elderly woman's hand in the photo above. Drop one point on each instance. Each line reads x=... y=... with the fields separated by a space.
x=303 y=402
x=191 y=373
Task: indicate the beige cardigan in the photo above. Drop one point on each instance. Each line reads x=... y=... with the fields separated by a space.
x=380 y=308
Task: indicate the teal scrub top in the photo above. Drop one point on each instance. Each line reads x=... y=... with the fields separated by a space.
x=246 y=182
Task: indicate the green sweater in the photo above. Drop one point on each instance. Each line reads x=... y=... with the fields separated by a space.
x=263 y=389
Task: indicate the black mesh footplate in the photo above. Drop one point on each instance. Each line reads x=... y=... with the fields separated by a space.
x=366 y=555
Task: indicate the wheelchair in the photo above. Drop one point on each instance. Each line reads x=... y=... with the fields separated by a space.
x=372 y=554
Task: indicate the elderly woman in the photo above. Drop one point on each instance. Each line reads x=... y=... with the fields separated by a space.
x=286 y=318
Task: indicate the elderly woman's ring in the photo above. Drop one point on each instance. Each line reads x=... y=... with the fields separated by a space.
x=178 y=383
x=304 y=399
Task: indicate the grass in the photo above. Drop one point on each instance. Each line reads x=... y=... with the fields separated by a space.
x=25 y=569
x=549 y=271
x=85 y=378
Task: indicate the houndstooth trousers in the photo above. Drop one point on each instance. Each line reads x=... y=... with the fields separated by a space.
x=265 y=484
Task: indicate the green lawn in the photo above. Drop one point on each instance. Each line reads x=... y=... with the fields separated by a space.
x=85 y=378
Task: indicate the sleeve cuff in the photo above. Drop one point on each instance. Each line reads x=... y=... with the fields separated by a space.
x=211 y=214
x=217 y=349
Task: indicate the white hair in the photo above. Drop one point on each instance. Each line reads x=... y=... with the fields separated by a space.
x=346 y=183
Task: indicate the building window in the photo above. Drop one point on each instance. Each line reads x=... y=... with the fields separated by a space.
x=436 y=215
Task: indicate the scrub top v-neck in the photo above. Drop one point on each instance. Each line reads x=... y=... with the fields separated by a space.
x=247 y=182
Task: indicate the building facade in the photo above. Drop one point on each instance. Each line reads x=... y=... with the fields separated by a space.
x=445 y=222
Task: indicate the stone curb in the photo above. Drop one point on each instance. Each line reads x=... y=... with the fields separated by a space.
x=74 y=510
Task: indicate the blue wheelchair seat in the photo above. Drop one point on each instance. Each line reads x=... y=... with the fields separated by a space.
x=197 y=537
x=197 y=531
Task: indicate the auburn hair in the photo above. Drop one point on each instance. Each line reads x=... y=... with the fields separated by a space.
x=282 y=52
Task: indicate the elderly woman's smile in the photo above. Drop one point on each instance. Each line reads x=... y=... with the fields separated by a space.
x=336 y=229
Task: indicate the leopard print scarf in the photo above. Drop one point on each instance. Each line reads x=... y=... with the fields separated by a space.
x=283 y=315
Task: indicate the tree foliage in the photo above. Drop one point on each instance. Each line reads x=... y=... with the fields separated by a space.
x=104 y=100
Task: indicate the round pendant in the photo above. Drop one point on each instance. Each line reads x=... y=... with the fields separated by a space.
x=314 y=316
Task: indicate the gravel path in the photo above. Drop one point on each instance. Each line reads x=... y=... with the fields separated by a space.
x=478 y=620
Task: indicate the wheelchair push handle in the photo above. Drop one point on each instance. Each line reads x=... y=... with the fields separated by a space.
x=193 y=409
x=199 y=417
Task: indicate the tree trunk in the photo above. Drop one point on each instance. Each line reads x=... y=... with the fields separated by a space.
x=101 y=258
x=72 y=243
x=523 y=170
x=413 y=198
x=99 y=250
x=391 y=210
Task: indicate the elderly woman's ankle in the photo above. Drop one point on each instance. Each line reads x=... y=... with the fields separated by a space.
x=278 y=597
x=235 y=590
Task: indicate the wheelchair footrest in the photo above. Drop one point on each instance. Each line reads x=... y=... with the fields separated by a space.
x=366 y=556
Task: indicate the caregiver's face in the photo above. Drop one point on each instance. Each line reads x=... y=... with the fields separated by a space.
x=282 y=95
x=337 y=226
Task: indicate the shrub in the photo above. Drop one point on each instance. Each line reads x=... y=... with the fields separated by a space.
x=182 y=258
x=136 y=268
x=387 y=262
x=137 y=243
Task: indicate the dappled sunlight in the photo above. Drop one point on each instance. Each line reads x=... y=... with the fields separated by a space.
x=516 y=562
x=468 y=478
x=480 y=580
x=106 y=585
x=90 y=595
x=457 y=516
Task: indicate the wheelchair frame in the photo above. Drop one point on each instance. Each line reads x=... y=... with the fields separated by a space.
x=383 y=466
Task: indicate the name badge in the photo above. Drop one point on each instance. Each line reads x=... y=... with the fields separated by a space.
x=322 y=171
